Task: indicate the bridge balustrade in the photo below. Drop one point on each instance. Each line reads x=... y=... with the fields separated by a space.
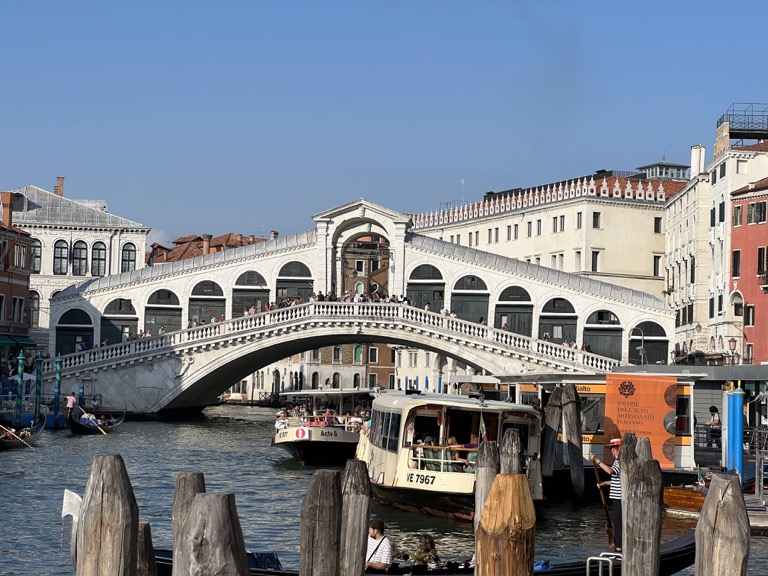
x=134 y=349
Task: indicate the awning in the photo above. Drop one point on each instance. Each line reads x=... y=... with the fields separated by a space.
x=7 y=341
x=23 y=341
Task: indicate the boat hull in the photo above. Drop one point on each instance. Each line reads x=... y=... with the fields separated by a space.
x=318 y=445
x=440 y=504
x=109 y=426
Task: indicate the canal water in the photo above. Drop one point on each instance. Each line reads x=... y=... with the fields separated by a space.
x=231 y=447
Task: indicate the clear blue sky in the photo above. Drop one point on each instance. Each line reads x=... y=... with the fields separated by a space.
x=247 y=116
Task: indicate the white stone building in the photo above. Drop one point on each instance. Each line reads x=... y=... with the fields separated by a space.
x=72 y=241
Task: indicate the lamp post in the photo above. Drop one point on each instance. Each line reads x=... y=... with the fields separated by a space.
x=640 y=348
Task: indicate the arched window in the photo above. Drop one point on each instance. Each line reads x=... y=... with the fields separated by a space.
x=34 y=309
x=37 y=256
x=60 y=257
x=79 y=258
x=128 y=258
x=99 y=259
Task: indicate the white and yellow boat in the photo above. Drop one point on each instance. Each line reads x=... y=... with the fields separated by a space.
x=421 y=448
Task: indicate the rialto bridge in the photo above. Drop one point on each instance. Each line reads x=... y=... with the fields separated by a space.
x=507 y=313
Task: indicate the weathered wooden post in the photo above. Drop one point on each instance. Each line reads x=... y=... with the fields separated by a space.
x=356 y=496
x=572 y=428
x=188 y=485
x=722 y=532
x=486 y=470
x=506 y=534
x=108 y=528
x=553 y=415
x=641 y=507
x=321 y=525
x=146 y=564
x=509 y=455
x=211 y=540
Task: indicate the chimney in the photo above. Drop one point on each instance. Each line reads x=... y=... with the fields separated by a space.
x=59 y=188
x=6 y=198
x=697 y=159
x=273 y=234
x=207 y=243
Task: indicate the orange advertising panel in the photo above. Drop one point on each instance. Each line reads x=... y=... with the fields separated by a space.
x=644 y=404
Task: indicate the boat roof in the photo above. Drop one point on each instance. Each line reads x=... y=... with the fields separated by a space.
x=328 y=392
x=402 y=400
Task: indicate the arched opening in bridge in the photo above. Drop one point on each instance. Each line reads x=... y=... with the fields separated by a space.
x=425 y=284
x=250 y=294
x=648 y=344
x=119 y=323
x=602 y=334
x=74 y=331
x=365 y=264
x=514 y=311
x=294 y=281
x=469 y=299
x=206 y=302
x=558 y=321
x=163 y=312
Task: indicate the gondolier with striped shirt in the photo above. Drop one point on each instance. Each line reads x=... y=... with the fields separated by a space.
x=615 y=490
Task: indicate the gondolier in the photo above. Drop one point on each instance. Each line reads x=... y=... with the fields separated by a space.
x=615 y=488
x=71 y=403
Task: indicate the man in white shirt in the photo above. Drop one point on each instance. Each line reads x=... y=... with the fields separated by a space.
x=379 y=553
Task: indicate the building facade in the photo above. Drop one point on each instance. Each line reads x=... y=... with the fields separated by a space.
x=71 y=241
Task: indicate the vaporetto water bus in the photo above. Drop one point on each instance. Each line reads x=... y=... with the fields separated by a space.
x=421 y=448
x=319 y=439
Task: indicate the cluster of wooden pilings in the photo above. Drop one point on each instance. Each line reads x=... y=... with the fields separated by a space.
x=208 y=539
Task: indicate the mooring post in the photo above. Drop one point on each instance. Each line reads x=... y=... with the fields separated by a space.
x=146 y=564
x=723 y=532
x=188 y=485
x=486 y=469
x=356 y=497
x=641 y=507
x=553 y=414
x=572 y=430
x=506 y=534
x=321 y=525
x=108 y=527
x=211 y=540
x=509 y=455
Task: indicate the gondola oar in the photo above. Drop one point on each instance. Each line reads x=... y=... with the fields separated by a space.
x=94 y=421
x=608 y=525
x=17 y=438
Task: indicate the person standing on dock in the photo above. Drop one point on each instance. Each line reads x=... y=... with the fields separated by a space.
x=615 y=490
x=379 y=553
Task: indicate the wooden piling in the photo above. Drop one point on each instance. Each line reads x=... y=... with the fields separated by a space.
x=486 y=470
x=188 y=485
x=641 y=507
x=509 y=454
x=211 y=540
x=321 y=525
x=553 y=414
x=722 y=532
x=356 y=496
x=506 y=534
x=572 y=428
x=108 y=528
x=146 y=565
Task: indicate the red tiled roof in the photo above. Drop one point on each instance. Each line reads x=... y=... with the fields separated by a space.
x=759 y=147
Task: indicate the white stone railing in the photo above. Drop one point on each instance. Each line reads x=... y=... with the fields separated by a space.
x=331 y=311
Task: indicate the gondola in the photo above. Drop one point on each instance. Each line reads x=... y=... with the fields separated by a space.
x=674 y=555
x=108 y=423
x=26 y=437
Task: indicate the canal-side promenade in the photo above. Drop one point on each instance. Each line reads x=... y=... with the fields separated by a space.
x=231 y=446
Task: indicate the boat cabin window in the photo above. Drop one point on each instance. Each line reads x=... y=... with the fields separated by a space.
x=592 y=413
x=385 y=430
